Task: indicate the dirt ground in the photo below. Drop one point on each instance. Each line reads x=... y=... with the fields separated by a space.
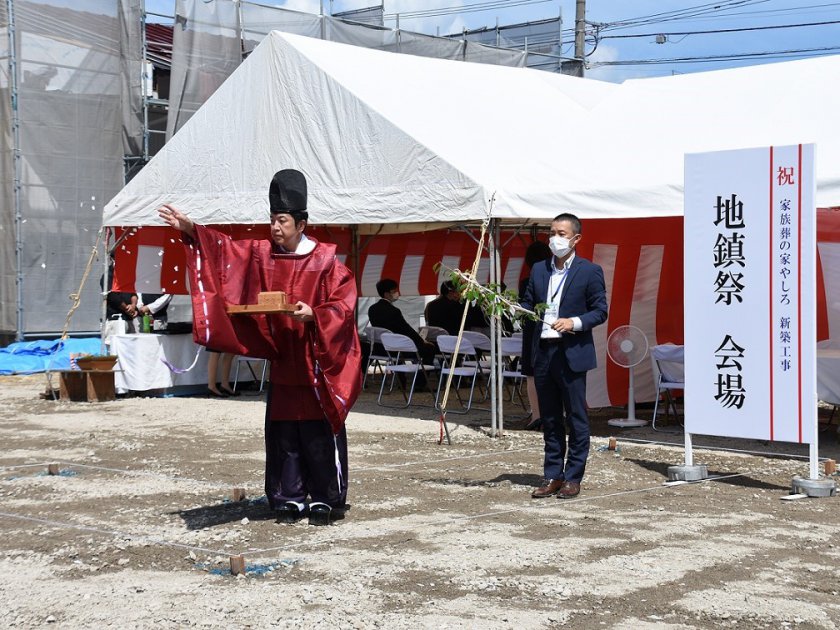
x=137 y=529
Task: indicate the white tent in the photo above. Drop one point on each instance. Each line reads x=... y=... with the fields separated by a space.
x=394 y=142
x=388 y=138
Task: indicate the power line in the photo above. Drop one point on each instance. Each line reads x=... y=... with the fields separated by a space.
x=766 y=12
x=712 y=58
x=679 y=14
x=466 y=8
x=722 y=30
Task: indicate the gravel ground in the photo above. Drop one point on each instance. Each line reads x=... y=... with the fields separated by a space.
x=137 y=529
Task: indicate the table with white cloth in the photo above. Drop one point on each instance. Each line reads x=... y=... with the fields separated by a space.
x=141 y=361
x=828 y=375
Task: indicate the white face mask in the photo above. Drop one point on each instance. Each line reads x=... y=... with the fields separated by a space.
x=395 y=295
x=560 y=246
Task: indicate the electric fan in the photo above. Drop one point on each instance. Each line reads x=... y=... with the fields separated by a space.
x=627 y=346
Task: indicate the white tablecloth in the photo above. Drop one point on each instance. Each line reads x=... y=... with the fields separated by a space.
x=828 y=376
x=140 y=359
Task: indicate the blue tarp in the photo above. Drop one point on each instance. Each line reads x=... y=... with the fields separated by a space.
x=28 y=357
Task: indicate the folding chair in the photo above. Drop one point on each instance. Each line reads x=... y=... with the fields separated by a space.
x=397 y=346
x=373 y=335
x=511 y=350
x=447 y=343
x=669 y=374
x=247 y=361
x=483 y=347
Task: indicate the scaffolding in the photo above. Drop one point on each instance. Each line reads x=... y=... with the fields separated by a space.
x=542 y=40
x=62 y=154
x=87 y=98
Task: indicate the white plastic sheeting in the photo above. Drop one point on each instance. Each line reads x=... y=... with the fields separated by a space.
x=207 y=47
x=374 y=15
x=69 y=107
x=387 y=138
x=131 y=56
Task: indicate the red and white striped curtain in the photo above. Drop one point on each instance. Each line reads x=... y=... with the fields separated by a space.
x=642 y=261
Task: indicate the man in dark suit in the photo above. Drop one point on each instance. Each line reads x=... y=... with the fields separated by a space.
x=384 y=314
x=563 y=351
x=446 y=310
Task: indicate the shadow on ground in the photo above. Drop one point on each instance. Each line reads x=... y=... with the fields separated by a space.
x=519 y=480
x=741 y=481
x=221 y=513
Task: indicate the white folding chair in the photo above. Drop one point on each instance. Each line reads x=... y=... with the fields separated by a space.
x=446 y=344
x=669 y=374
x=373 y=335
x=512 y=350
x=397 y=346
x=248 y=361
x=483 y=347
x=479 y=341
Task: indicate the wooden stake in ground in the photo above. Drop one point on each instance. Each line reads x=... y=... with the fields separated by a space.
x=237 y=564
x=830 y=467
x=52 y=469
x=238 y=494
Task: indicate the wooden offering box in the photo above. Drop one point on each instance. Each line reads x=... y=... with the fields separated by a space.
x=267 y=302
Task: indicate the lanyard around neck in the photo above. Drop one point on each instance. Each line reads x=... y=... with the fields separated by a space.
x=560 y=282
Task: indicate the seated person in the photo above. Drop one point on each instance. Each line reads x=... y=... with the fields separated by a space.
x=120 y=304
x=123 y=304
x=446 y=310
x=385 y=315
x=154 y=305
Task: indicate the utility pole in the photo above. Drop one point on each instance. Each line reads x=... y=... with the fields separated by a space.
x=580 y=26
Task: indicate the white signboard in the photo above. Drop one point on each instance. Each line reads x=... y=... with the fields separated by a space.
x=750 y=294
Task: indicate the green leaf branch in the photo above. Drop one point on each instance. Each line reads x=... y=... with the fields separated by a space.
x=491 y=298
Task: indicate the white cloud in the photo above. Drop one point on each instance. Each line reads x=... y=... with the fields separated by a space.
x=446 y=23
x=308 y=6
x=615 y=74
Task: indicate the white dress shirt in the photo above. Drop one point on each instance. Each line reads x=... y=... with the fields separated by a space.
x=556 y=283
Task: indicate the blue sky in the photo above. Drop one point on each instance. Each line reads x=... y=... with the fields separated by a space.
x=614 y=47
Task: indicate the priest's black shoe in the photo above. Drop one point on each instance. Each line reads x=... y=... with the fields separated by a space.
x=323 y=514
x=290 y=512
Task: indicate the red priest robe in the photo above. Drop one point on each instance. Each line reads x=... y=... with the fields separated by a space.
x=315 y=366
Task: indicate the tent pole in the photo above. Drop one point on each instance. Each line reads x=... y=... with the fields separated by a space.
x=106 y=260
x=16 y=184
x=354 y=264
x=494 y=325
x=497 y=338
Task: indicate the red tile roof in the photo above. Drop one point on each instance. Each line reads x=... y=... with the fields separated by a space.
x=159 y=45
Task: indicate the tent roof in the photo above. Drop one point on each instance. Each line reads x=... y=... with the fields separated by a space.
x=386 y=138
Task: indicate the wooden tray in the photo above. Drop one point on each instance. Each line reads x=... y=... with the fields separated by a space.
x=258 y=309
x=104 y=363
